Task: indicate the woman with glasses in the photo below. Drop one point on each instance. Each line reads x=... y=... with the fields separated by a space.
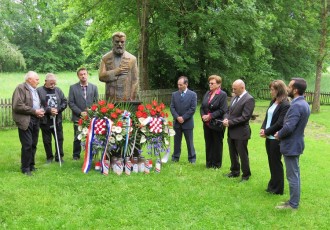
x=273 y=122
x=214 y=106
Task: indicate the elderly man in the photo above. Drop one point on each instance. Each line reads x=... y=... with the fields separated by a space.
x=26 y=113
x=118 y=69
x=54 y=102
x=239 y=132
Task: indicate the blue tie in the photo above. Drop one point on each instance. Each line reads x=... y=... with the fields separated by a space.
x=182 y=94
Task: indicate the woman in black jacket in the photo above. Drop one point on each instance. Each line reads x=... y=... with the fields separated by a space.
x=272 y=123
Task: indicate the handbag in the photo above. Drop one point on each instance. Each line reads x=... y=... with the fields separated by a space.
x=216 y=124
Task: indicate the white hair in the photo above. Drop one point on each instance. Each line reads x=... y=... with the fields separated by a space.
x=30 y=74
x=50 y=76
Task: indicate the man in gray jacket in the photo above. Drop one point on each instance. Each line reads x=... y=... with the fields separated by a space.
x=26 y=113
x=81 y=96
x=291 y=138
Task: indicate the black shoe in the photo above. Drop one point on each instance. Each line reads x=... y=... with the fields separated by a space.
x=49 y=161
x=57 y=160
x=76 y=158
x=28 y=173
x=244 y=179
x=232 y=175
x=33 y=169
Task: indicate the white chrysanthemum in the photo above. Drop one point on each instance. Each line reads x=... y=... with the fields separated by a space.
x=79 y=136
x=119 y=137
x=166 y=141
x=130 y=129
x=112 y=140
x=141 y=119
x=143 y=139
x=143 y=129
x=113 y=128
x=79 y=128
x=165 y=122
x=85 y=131
x=171 y=132
x=118 y=129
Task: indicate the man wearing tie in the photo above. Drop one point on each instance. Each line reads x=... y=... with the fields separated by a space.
x=81 y=96
x=183 y=106
x=239 y=132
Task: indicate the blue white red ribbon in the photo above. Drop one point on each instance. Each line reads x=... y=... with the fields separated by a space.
x=126 y=115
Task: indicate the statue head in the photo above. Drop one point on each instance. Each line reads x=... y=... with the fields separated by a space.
x=118 y=43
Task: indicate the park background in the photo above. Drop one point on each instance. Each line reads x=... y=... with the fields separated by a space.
x=257 y=41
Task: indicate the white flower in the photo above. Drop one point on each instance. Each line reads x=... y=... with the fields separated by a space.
x=141 y=119
x=118 y=129
x=143 y=139
x=166 y=141
x=79 y=128
x=113 y=128
x=171 y=132
x=112 y=140
x=79 y=136
x=165 y=122
x=130 y=129
x=119 y=137
x=85 y=131
x=143 y=129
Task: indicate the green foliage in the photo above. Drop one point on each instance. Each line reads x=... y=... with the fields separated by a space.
x=11 y=57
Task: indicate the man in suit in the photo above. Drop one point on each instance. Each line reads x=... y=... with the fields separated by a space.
x=291 y=138
x=26 y=113
x=239 y=132
x=118 y=69
x=81 y=96
x=183 y=107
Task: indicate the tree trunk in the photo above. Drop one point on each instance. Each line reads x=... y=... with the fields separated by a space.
x=322 y=54
x=143 y=7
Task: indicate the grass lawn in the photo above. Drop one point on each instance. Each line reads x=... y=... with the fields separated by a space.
x=182 y=196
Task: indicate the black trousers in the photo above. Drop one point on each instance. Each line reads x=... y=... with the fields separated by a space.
x=47 y=133
x=76 y=142
x=276 y=182
x=29 y=141
x=238 y=150
x=189 y=136
x=213 y=147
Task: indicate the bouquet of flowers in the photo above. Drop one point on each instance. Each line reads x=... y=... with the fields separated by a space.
x=156 y=130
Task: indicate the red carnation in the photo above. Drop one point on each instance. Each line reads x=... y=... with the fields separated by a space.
x=118 y=111
x=94 y=107
x=170 y=123
x=153 y=112
x=120 y=124
x=103 y=110
x=154 y=103
x=158 y=109
x=148 y=106
x=102 y=102
x=144 y=115
x=166 y=114
x=140 y=108
x=111 y=106
x=162 y=114
x=114 y=115
x=139 y=114
x=80 y=122
x=162 y=106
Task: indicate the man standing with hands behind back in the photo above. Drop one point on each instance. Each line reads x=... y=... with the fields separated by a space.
x=291 y=138
x=239 y=132
x=81 y=96
x=118 y=69
x=183 y=106
x=26 y=113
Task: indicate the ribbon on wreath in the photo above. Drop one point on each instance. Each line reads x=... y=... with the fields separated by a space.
x=97 y=127
x=126 y=115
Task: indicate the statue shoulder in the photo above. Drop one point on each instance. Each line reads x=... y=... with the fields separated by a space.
x=129 y=55
x=108 y=55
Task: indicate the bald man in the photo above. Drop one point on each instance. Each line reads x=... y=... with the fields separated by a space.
x=239 y=132
x=26 y=113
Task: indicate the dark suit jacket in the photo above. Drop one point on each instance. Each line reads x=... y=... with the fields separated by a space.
x=217 y=106
x=184 y=107
x=277 y=119
x=239 y=116
x=78 y=103
x=292 y=134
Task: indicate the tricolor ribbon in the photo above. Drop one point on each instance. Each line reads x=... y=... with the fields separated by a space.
x=126 y=115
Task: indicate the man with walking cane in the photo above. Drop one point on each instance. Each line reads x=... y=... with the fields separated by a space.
x=54 y=103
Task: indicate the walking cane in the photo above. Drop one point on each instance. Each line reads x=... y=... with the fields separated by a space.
x=58 y=149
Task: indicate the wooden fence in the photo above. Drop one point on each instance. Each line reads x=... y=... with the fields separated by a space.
x=146 y=96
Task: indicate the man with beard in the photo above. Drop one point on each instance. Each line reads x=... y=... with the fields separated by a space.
x=291 y=138
x=118 y=69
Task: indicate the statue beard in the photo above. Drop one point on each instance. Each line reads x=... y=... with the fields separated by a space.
x=119 y=51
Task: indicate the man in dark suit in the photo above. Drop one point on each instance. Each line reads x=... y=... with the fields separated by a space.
x=183 y=106
x=81 y=96
x=291 y=138
x=239 y=131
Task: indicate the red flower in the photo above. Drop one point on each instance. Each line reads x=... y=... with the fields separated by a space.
x=111 y=106
x=140 y=108
x=101 y=102
x=153 y=112
x=148 y=106
x=162 y=114
x=80 y=122
x=86 y=117
x=103 y=110
x=114 y=115
x=154 y=103
x=170 y=123
x=119 y=123
x=144 y=115
x=158 y=109
x=166 y=114
x=118 y=111
x=162 y=106
x=139 y=114
x=94 y=107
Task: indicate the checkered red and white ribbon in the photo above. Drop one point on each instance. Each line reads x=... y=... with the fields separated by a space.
x=156 y=125
x=100 y=127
